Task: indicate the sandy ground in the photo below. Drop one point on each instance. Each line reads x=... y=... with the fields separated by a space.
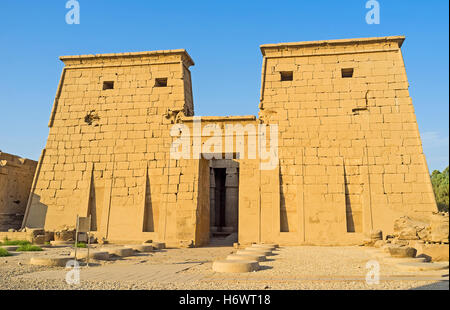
x=293 y=268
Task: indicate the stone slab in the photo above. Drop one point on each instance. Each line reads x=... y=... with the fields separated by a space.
x=402 y=251
x=259 y=251
x=121 y=252
x=156 y=245
x=235 y=266
x=58 y=261
x=141 y=247
x=256 y=257
x=99 y=255
x=263 y=246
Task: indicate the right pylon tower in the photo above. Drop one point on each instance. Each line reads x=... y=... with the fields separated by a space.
x=351 y=157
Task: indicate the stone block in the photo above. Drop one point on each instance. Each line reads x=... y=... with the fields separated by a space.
x=402 y=251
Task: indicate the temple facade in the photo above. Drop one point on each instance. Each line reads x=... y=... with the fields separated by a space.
x=334 y=153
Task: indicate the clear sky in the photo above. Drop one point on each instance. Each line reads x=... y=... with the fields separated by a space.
x=223 y=38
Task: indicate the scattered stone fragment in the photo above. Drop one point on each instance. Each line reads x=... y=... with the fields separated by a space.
x=376 y=235
x=379 y=243
x=61 y=243
x=158 y=245
x=440 y=227
x=437 y=252
x=65 y=234
x=402 y=251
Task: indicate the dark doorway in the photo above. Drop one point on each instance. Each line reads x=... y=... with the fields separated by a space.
x=219 y=198
x=224 y=201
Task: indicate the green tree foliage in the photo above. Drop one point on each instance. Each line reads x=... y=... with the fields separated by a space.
x=440 y=187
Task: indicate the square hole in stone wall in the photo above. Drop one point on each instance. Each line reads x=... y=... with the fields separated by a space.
x=287 y=75
x=347 y=72
x=108 y=85
x=161 y=82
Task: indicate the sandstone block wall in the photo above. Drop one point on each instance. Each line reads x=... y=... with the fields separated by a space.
x=107 y=152
x=350 y=156
x=349 y=145
x=16 y=176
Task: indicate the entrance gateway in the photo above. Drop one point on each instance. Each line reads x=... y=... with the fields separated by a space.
x=224 y=200
x=349 y=154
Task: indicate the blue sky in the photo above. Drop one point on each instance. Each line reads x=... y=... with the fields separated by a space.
x=223 y=38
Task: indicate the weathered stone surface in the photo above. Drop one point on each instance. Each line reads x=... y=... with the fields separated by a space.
x=61 y=243
x=376 y=235
x=324 y=130
x=65 y=235
x=425 y=234
x=407 y=229
x=141 y=247
x=402 y=251
x=158 y=245
x=49 y=236
x=33 y=232
x=262 y=251
x=93 y=254
x=435 y=252
x=263 y=246
x=246 y=251
x=408 y=233
x=235 y=266
x=16 y=177
x=119 y=251
x=58 y=261
x=249 y=256
x=439 y=227
x=399 y=242
x=40 y=239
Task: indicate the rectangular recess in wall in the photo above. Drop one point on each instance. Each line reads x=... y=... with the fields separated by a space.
x=161 y=82
x=286 y=75
x=108 y=85
x=347 y=72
